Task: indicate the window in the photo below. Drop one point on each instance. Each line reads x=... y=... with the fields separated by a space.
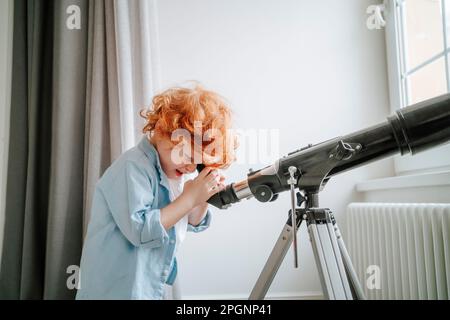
x=418 y=49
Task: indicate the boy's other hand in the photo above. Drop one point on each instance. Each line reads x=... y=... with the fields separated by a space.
x=204 y=186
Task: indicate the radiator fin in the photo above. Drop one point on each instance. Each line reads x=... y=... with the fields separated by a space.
x=410 y=243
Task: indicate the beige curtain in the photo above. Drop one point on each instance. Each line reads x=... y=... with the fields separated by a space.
x=123 y=76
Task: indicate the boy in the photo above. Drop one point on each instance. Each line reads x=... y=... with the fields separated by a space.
x=141 y=210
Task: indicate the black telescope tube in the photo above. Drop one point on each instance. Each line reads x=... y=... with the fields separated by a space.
x=424 y=125
x=410 y=130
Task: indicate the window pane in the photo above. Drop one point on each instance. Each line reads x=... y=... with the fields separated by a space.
x=428 y=82
x=424 y=34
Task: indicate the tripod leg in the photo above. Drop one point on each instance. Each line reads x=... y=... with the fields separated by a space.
x=339 y=261
x=329 y=262
x=274 y=261
x=354 y=281
x=324 y=275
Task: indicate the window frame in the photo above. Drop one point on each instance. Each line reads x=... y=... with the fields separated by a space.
x=398 y=73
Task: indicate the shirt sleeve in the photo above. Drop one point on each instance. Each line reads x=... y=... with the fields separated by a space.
x=130 y=200
x=203 y=225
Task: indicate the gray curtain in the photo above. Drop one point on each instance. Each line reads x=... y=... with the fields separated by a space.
x=44 y=200
x=75 y=99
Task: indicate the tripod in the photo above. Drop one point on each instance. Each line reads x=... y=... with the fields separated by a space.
x=337 y=276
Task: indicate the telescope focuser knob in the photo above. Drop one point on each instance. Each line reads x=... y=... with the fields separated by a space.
x=264 y=193
x=300 y=199
x=345 y=151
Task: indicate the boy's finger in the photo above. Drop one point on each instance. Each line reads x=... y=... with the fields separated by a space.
x=205 y=172
x=212 y=176
x=212 y=184
x=213 y=191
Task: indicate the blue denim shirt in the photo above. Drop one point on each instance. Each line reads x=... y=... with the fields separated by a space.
x=127 y=253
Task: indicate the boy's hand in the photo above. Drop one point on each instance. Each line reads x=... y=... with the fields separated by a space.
x=203 y=187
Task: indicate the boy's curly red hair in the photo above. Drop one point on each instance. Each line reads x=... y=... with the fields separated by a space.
x=184 y=108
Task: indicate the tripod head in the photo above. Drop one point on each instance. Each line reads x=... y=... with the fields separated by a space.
x=410 y=130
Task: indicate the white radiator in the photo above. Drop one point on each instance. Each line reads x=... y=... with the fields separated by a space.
x=407 y=246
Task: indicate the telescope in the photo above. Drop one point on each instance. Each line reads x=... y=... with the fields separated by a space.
x=411 y=130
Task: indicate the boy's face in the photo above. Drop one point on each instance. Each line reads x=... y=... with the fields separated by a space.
x=173 y=161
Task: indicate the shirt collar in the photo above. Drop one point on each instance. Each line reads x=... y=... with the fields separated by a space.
x=151 y=152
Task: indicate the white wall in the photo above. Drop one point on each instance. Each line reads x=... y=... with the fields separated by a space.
x=5 y=87
x=309 y=68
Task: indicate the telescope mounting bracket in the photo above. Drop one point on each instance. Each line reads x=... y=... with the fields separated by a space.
x=314 y=179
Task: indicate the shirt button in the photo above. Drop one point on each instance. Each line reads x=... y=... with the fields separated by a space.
x=165 y=273
x=172 y=241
